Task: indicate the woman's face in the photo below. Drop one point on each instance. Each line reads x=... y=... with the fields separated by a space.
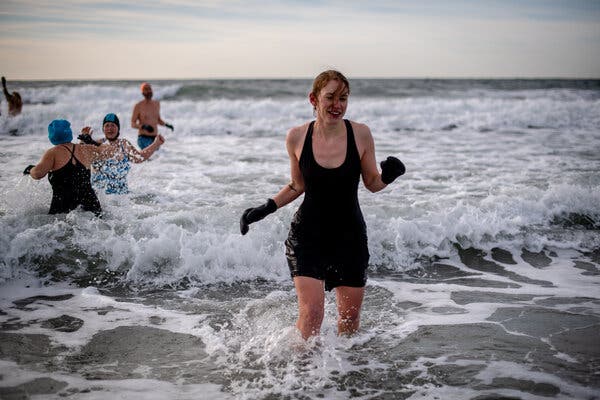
x=111 y=130
x=331 y=102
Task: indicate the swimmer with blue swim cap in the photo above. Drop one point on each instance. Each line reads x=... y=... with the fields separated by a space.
x=110 y=117
x=59 y=132
x=68 y=168
x=111 y=175
x=113 y=119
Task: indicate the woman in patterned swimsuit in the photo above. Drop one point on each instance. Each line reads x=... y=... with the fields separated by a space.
x=111 y=175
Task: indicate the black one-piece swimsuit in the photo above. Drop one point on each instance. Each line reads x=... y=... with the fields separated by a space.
x=328 y=238
x=71 y=187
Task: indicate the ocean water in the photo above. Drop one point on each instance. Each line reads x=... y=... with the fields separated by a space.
x=484 y=279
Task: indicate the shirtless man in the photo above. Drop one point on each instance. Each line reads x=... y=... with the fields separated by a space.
x=146 y=117
x=15 y=104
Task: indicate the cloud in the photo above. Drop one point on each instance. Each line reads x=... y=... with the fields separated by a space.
x=181 y=38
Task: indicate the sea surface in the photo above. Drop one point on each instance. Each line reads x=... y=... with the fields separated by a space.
x=484 y=278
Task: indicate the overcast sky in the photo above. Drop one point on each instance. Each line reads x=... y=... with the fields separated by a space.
x=172 y=39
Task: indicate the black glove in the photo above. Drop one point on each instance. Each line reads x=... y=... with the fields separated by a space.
x=28 y=169
x=148 y=128
x=87 y=139
x=391 y=168
x=169 y=126
x=256 y=214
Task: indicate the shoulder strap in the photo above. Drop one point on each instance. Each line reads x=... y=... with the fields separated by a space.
x=349 y=132
x=308 y=138
x=71 y=150
x=307 y=146
x=351 y=145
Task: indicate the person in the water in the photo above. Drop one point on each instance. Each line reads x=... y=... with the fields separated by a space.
x=15 y=103
x=327 y=244
x=146 y=117
x=110 y=175
x=68 y=168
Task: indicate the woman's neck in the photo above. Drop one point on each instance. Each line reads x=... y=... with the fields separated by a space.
x=329 y=129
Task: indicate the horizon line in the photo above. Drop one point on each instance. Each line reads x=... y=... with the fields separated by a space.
x=541 y=77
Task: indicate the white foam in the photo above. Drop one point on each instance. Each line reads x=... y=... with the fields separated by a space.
x=514 y=162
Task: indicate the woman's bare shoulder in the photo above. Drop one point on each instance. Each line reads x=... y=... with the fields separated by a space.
x=360 y=128
x=362 y=133
x=297 y=133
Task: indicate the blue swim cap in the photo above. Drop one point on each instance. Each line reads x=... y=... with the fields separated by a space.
x=59 y=132
x=111 y=118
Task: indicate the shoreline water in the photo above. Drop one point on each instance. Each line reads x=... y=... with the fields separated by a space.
x=482 y=326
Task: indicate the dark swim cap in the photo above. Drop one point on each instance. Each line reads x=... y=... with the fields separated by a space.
x=111 y=118
x=59 y=132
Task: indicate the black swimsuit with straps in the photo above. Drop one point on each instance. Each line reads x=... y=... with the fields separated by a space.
x=71 y=187
x=328 y=238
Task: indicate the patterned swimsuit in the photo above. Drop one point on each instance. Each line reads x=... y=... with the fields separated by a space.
x=111 y=175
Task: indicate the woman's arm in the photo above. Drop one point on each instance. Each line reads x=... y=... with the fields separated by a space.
x=93 y=153
x=44 y=166
x=138 y=156
x=5 y=90
x=370 y=174
x=295 y=188
x=286 y=195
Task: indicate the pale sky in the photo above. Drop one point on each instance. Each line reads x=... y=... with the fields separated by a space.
x=177 y=39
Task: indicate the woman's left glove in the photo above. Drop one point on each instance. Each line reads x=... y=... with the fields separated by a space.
x=255 y=214
x=391 y=168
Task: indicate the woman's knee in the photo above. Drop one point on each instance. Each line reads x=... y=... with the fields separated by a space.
x=350 y=314
x=312 y=312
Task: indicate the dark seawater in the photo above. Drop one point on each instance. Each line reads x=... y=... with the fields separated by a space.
x=484 y=277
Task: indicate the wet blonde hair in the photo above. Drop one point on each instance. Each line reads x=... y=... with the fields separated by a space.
x=330 y=75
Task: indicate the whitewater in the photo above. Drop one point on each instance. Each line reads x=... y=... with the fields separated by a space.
x=484 y=271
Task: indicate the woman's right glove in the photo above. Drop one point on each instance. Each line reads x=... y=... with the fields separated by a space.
x=255 y=214
x=391 y=168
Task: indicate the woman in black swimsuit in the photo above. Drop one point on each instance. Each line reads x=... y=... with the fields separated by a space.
x=68 y=169
x=327 y=243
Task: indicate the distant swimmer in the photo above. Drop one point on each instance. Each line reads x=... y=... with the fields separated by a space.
x=15 y=103
x=110 y=174
x=146 y=117
x=327 y=243
x=68 y=168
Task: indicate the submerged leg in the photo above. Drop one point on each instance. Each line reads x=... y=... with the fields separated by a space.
x=349 y=302
x=311 y=304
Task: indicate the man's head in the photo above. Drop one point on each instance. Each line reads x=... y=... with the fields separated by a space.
x=146 y=90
